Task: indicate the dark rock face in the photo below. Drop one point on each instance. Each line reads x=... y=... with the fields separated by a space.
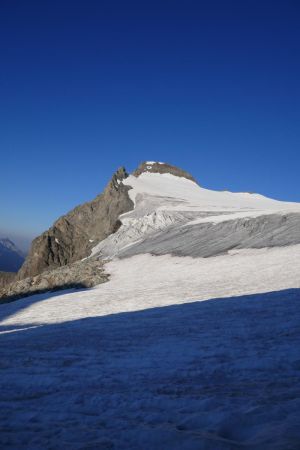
x=71 y=237
x=156 y=167
x=11 y=258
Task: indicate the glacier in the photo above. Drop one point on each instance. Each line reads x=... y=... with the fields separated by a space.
x=174 y=215
x=193 y=343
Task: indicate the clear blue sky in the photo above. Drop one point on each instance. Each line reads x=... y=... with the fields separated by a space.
x=87 y=86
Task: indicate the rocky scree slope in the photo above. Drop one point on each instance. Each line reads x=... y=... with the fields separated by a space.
x=78 y=275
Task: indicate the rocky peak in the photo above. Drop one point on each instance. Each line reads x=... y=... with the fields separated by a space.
x=160 y=167
x=117 y=179
x=121 y=173
x=73 y=235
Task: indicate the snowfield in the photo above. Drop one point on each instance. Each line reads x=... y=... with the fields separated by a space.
x=143 y=362
x=193 y=343
x=146 y=281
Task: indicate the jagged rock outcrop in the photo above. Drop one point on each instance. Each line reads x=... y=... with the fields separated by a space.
x=158 y=167
x=71 y=237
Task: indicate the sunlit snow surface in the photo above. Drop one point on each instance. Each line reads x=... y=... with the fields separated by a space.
x=180 y=188
x=141 y=362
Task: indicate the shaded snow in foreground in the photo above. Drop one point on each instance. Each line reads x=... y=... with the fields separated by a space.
x=95 y=373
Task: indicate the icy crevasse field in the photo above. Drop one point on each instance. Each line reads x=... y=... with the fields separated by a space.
x=142 y=362
x=173 y=215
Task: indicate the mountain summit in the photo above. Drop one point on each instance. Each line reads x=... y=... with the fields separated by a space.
x=160 y=167
x=161 y=209
x=73 y=235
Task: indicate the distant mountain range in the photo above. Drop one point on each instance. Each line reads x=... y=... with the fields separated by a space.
x=11 y=257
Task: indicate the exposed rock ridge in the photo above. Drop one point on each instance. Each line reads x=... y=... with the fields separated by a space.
x=158 y=167
x=72 y=235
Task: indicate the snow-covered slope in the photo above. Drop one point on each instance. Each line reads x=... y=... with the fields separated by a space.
x=141 y=362
x=179 y=188
x=145 y=281
x=175 y=215
x=176 y=351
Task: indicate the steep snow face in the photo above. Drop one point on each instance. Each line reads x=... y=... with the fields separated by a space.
x=175 y=215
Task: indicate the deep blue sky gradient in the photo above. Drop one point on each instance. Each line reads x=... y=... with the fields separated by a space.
x=87 y=86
